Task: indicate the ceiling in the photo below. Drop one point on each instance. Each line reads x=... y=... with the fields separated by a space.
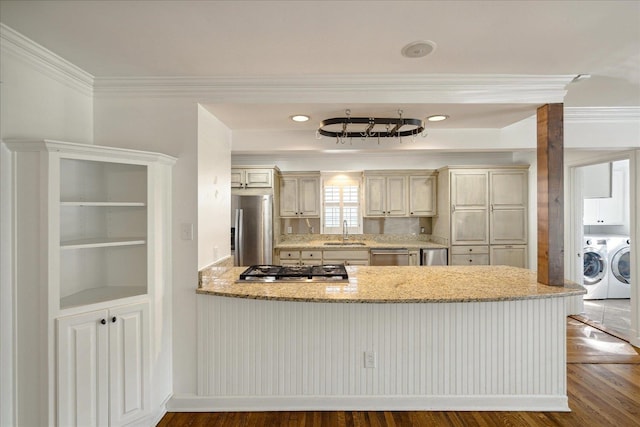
x=248 y=39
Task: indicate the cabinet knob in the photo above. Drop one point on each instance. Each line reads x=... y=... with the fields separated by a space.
x=470 y=260
x=103 y=321
x=113 y=319
x=411 y=213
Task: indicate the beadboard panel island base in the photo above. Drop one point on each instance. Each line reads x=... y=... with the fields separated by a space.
x=261 y=354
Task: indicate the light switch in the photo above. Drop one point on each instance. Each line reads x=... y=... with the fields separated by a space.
x=186 y=231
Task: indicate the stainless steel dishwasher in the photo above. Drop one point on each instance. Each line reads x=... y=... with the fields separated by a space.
x=386 y=256
x=433 y=256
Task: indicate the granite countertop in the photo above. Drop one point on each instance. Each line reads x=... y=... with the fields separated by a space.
x=368 y=244
x=411 y=284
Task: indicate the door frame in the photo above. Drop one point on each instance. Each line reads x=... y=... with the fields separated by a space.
x=574 y=234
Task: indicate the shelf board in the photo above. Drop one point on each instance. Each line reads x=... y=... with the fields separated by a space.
x=101 y=243
x=101 y=294
x=103 y=204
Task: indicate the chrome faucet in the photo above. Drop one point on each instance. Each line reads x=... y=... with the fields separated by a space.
x=345 y=231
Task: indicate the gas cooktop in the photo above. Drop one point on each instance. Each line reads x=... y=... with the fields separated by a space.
x=302 y=273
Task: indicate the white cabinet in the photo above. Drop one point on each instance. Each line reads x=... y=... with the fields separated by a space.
x=508 y=194
x=469 y=207
x=478 y=207
x=91 y=234
x=610 y=210
x=422 y=195
x=597 y=181
x=346 y=257
x=385 y=195
x=103 y=367
x=470 y=255
x=103 y=210
x=512 y=255
x=251 y=177
x=300 y=196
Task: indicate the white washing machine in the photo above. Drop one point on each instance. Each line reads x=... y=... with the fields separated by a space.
x=619 y=267
x=596 y=267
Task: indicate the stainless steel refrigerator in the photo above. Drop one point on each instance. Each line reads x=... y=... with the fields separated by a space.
x=252 y=219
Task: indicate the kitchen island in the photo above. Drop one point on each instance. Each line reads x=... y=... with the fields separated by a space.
x=389 y=338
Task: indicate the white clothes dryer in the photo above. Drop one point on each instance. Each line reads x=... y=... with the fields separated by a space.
x=595 y=267
x=619 y=267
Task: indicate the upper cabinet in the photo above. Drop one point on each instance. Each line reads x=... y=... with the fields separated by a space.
x=422 y=195
x=610 y=210
x=300 y=195
x=242 y=177
x=597 y=181
x=399 y=193
x=385 y=195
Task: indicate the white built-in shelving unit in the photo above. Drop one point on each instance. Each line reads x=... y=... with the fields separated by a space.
x=92 y=252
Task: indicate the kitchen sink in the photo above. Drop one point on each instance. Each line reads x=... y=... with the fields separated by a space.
x=344 y=244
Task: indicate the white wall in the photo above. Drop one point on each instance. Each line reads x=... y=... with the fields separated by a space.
x=46 y=97
x=169 y=126
x=41 y=96
x=214 y=188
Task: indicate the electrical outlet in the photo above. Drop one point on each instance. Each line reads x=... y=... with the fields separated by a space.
x=289 y=230
x=370 y=359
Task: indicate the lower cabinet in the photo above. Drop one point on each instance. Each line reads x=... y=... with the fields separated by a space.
x=513 y=255
x=346 y=257
x=414 y=257
x=470 y=255
x=102 y=366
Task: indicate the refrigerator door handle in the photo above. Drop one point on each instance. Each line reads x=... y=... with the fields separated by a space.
x=238 y=258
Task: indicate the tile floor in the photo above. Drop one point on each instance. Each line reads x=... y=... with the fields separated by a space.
x=610 y=313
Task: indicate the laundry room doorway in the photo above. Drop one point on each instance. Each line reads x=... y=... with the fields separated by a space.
x=601 y=229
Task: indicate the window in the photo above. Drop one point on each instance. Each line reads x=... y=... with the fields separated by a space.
x=341 y=202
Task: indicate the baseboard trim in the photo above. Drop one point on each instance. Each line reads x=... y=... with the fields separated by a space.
x=537 y=403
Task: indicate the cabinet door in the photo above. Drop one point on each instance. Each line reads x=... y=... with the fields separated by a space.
x=309 y=196
x=422 y=196
x=258 y=178
x=515 y=256
x=611 y=210
x=237 y=178
x=469 y=227
x=375 y=192
x=288 y=197
x=469 y=190
x=508 y=226
x=590 y=212
x=128 y=364
x=396 y=190
x=82 y=369
x=508 y=189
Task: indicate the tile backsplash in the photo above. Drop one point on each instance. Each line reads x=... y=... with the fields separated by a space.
x=371 y=226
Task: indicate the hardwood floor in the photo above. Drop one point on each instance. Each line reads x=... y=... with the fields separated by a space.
x=603 y=381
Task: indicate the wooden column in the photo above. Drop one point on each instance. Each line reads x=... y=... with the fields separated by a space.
x=551 y=194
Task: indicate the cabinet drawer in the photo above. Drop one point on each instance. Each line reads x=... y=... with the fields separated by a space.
x=312 y=255
x=343 y=255
x=463 y=250
x=288 y=255
x=477 y=259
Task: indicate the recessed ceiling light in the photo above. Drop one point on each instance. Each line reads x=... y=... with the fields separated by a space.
x=418 y=49
x=299 y=118
x=437 y=118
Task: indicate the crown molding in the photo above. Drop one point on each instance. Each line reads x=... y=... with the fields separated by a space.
x=438 y=88
x=602 y=114
x=52 y=65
